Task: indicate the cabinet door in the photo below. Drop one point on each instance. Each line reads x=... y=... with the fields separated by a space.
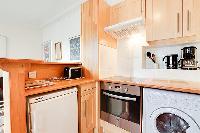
x=191 y=17
x=129 y=9
x=164 y=19
x=88 y=112
x=83 y=116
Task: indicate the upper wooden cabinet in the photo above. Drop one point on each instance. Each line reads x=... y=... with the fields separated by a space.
x=104 y=21
x=168 y=19
x=191 y=18
x=126 y=10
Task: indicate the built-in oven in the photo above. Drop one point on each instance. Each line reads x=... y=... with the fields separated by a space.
x=120 y=105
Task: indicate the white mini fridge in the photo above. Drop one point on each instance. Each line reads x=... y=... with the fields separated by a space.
x=55 y=112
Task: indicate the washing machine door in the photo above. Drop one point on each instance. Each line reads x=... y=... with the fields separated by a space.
x=172 y=120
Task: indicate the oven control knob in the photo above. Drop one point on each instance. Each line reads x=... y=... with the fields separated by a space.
x=110 y=87
x=126 y=90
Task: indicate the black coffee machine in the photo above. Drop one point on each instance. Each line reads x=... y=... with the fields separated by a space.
x=171 y=61
x=188 y=60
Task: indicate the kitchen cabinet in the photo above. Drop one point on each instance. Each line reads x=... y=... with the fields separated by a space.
x=164 y=19
x=191 y=17
x=104 y=21
x=126 y=10
x=169 y=19
x=87 y=117
x=89 y=38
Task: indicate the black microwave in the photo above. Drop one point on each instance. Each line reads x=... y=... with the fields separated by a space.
x=73 y=72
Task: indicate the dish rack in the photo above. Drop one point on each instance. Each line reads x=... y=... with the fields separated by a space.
x=1 y=116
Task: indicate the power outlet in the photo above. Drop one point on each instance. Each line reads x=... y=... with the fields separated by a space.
x=32 y=75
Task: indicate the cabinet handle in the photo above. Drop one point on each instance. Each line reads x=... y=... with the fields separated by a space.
x=178 y=22
x=188 y=20
x=141 y=6
x=85 y=111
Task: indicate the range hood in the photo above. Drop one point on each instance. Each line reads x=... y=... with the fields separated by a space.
x=125 y=29
x=113 y=2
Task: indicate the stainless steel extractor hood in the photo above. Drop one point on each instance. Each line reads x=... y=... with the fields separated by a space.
x=126 y=28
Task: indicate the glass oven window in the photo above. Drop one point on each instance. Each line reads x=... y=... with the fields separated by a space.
x=125 y=109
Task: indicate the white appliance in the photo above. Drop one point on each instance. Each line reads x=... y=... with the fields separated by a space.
x=55 y=112
x=170 y=112
x=4 y=102
x=1 y=116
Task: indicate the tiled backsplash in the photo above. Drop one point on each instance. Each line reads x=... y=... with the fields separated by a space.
x=161 y=52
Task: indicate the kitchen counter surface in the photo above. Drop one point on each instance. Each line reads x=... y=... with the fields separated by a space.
x=31 y=61
x=58 y=86
x=180 y=86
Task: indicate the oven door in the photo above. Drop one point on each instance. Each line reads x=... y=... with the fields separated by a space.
x=122 y=110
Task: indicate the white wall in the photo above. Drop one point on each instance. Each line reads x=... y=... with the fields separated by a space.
x=161 y=52
x=136 y=44
x=22 y=41
x=107 y=61
x=3 y=46
x=62 y=29
x=124 y=58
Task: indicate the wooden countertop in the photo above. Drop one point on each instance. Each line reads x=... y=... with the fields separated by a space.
x=59 y=85
x=30 y=61
x=180 y=86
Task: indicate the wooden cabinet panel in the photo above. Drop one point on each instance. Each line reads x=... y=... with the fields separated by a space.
x=165 y=18
x=126 y=10
x=104 y=21
x=89 y=38
x=169 y=19
x=190 y=17
x=90 y=111
x=87 y=119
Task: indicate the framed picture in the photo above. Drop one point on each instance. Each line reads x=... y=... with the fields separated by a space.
x=47 y=51
x=58 y=51
x=75 y=48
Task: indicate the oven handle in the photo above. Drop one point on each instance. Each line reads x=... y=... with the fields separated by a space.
x=119 y=97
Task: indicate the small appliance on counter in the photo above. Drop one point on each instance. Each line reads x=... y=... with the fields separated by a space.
x=188 y=60
x=151 y=62
x=73 y=72
x=171 y=61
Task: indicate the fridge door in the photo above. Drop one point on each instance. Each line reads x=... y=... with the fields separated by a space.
x=58 y=114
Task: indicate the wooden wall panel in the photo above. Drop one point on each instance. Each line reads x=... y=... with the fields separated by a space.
x=17 y=96
x=46 y=71
x=89 y=38
x=104 y=21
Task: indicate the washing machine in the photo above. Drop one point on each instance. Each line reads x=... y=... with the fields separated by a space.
x=170 y=112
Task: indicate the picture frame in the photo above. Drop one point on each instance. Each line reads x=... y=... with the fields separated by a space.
x=58 y=51
x=47 y=51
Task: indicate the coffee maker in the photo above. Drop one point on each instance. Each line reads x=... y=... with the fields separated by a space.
x=188 y=60
x=171 y=61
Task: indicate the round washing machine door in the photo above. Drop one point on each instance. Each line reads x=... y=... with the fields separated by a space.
x=172 y=120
